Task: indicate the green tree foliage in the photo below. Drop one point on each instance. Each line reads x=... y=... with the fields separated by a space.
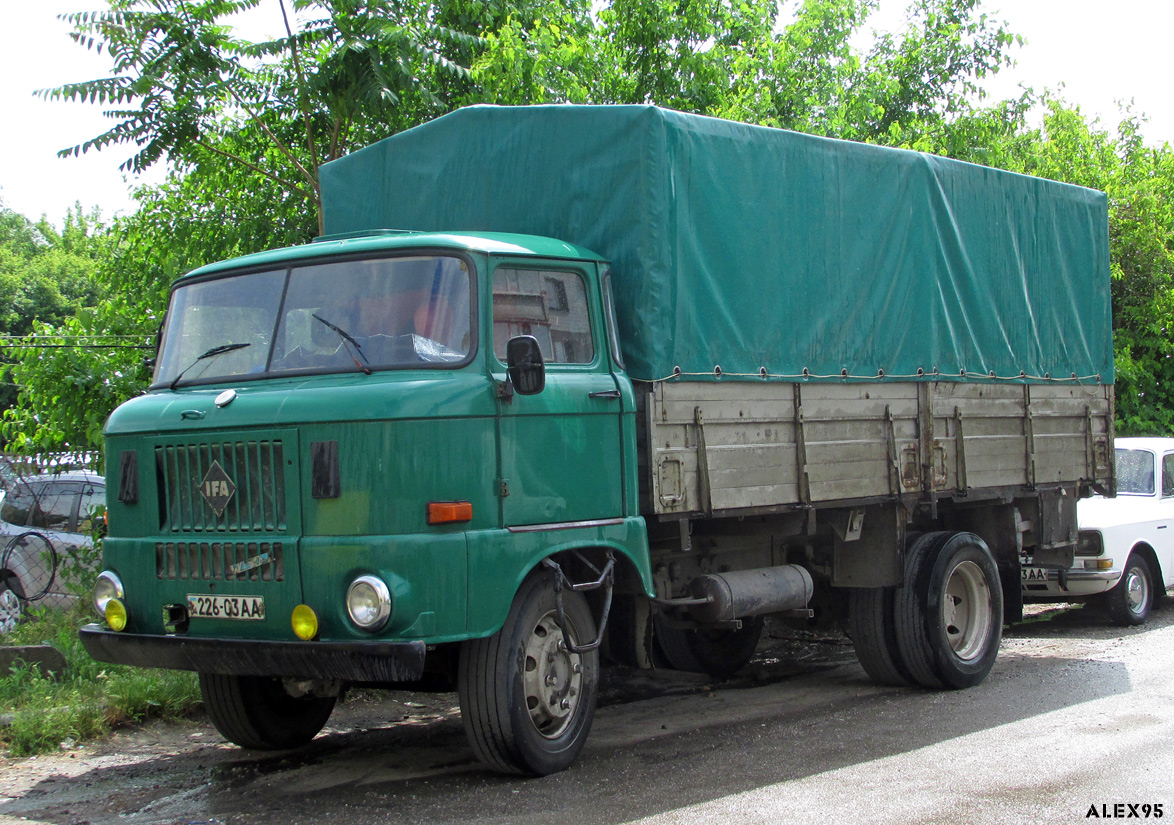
x=46 y=276
x=1139 y=181
x=746 y=61
x=185 y=90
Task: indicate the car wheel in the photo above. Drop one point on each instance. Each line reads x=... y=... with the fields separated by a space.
x=1131 y=598
x=12 y=603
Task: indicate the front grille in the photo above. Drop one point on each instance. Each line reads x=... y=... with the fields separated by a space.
x=233 y=561
x=256 y=468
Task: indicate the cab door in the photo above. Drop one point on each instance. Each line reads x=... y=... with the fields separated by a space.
x=559 y=450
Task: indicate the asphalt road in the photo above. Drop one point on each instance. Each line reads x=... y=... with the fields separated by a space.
x=1076 y=718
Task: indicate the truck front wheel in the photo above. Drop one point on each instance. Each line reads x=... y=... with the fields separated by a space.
x=256 y=712
x=949 y=613
x=526 y=700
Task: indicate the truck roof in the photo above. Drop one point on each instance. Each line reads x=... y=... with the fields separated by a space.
x=389 y=240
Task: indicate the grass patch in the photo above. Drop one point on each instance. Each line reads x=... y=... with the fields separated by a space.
x=41 y=713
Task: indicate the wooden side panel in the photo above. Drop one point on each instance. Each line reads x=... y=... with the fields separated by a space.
x=726 y=447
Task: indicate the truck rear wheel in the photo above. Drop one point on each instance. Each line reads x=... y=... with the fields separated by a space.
x=719 y=652
x=527 y=702
x=949 y=613
x=256 y=712
x=872 y=626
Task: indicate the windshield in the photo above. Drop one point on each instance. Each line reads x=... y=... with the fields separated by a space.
x=1135 y=472
x=342 y=316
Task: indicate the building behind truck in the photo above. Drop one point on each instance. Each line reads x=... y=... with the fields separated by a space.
x=567 y=384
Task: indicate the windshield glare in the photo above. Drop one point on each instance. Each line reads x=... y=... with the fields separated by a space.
x=341 y=316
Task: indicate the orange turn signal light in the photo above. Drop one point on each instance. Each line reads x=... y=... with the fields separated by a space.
x=449 y=512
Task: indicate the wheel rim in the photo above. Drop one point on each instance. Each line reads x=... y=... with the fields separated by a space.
x=552 y=678
x=1136 y=591
x=9 y=611
x=966 y=611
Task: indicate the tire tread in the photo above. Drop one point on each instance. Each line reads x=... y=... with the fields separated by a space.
x=871 y=624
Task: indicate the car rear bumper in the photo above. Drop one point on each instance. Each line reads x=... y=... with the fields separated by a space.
x=374 y=662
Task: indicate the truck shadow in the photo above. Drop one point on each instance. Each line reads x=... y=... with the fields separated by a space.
x=660 y=741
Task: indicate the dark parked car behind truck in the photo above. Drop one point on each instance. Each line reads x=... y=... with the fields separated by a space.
x=639 y=379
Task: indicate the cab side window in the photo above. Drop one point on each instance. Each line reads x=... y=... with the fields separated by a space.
x=1168 y=475
x=551 y=305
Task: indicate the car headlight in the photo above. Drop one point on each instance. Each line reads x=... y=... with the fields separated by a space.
x=108 y=587
x=1088 y=543
x=368 y=602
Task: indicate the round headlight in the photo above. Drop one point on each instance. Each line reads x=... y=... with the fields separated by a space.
x=368 y=601
x=108 y=587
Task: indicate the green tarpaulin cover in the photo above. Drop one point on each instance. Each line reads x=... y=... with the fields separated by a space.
x=748 y=248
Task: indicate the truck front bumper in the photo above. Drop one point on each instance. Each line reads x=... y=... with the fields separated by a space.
x=377 y=662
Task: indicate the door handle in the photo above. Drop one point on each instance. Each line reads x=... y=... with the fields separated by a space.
x=613 y=394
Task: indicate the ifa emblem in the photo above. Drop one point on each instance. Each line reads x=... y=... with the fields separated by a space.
x=217 y=488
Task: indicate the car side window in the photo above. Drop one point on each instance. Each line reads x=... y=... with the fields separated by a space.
x=18 y=501
x=1168 y=475
x=550 y=305
x=1135 y=472
x=55 y=503
x=92 y=498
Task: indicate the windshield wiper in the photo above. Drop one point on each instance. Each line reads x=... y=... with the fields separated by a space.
x=220 y=350
x=347 y=339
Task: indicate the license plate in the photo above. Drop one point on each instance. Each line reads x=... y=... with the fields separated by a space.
x=226 y=607
x=1034 y=574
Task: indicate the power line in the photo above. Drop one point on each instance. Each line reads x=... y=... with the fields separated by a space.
x=76 y=346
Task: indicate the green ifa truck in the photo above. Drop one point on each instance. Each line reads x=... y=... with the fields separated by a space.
x=564 y=386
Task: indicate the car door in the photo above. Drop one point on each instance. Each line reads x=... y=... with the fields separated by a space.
x=559 y=449
x=1164 y=539
x=55 y=512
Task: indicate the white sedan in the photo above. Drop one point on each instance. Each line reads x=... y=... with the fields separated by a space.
x=1125 y=552
x=45 y=526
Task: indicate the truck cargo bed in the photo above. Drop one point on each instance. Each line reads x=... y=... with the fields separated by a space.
x=741 y=448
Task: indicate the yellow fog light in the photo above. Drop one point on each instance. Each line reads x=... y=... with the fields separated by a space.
x=305 y=622
x=116 y=615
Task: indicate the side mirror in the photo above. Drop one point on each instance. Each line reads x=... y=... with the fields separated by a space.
x=150 y=360
x=527 y=370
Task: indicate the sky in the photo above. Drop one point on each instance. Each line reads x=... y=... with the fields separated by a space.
x=1104 y=54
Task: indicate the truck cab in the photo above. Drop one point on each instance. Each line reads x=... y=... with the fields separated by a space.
x=333 y=477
